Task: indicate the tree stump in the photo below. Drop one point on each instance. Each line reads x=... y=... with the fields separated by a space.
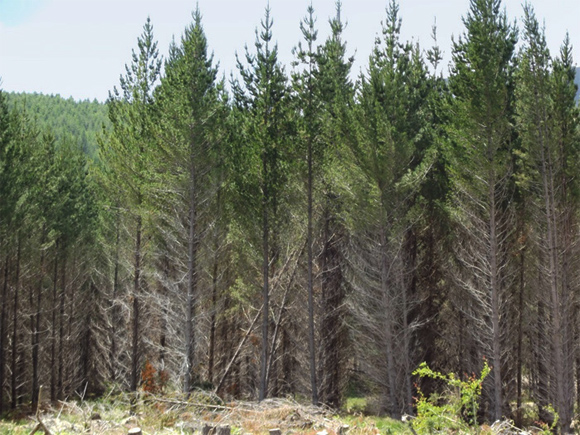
x=275 y=432
x=342 y=430
x=135 y=431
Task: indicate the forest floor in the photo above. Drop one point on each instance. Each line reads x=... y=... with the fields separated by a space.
x=165 y=415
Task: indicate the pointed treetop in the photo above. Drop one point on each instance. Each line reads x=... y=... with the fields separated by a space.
x=142 y=74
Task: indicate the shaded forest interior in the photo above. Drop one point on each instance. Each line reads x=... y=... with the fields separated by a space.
x=297 y=231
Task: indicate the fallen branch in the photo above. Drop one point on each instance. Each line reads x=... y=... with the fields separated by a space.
x=195 y=404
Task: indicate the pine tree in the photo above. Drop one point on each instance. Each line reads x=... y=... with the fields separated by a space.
x=390 y=131
x=194 y=115
x=427 y=239
x=336 y=96
x=263 y=158
x=132 y=116
x=309 y=106
x=5 y=212
x=481 y=178
x=565 y=161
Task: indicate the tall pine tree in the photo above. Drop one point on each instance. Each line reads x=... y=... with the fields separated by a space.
x=132 y=115
x=263 y=156
x=390 y=129
x=481 y=131
x=193 y=128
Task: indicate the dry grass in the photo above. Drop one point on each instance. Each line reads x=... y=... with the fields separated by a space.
x=163 y=415
x=166 y=415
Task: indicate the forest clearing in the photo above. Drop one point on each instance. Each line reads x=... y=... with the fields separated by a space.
x=206 y=415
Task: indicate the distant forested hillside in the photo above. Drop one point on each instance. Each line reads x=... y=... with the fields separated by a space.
x=79 y=120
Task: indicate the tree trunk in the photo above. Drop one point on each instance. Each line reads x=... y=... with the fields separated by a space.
x=136 y=295
x=15 y=340
x=332 y=332
x=495 y=297
x=313 y=381
x=287 y=364
x=519 y=361
x=35 y=325
x=542 y=394
x=210 y=369
x=408 y=290
x=577 y=352
x=68 y=367
x=85 y=345
x=60 y=392
x=192 y=279
x=164 y=311
x=388 y=328
x=214 y=285
x=263 y=390
x=114 y=305
x=53 y=379
x=2 y=333
x=554 y=275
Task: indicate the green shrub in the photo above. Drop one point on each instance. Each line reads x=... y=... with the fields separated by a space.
x=456 y=409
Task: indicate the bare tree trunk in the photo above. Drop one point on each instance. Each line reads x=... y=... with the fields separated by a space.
x=15 y=370
x=2 y=333
x=114 y=305
x=53 y=379
x=263 y=390
x=35 y=325
x=164 y=310
x=85 y=344
x=313 y=381
x=60 y=391
x=558 y=289
x=214 y=290
x=521 y=288
x=388 y=327
x=332 y=330
x=542 y=393
x=495 y=301
x=277 y=326
x=553 y=276
x=577 y=353
x=217 y=233
x=136 y=295
x=287 y=364
x=408 y=289
x=192 y=279
x=68 y=366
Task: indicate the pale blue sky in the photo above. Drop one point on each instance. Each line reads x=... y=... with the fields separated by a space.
x=79 y=48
